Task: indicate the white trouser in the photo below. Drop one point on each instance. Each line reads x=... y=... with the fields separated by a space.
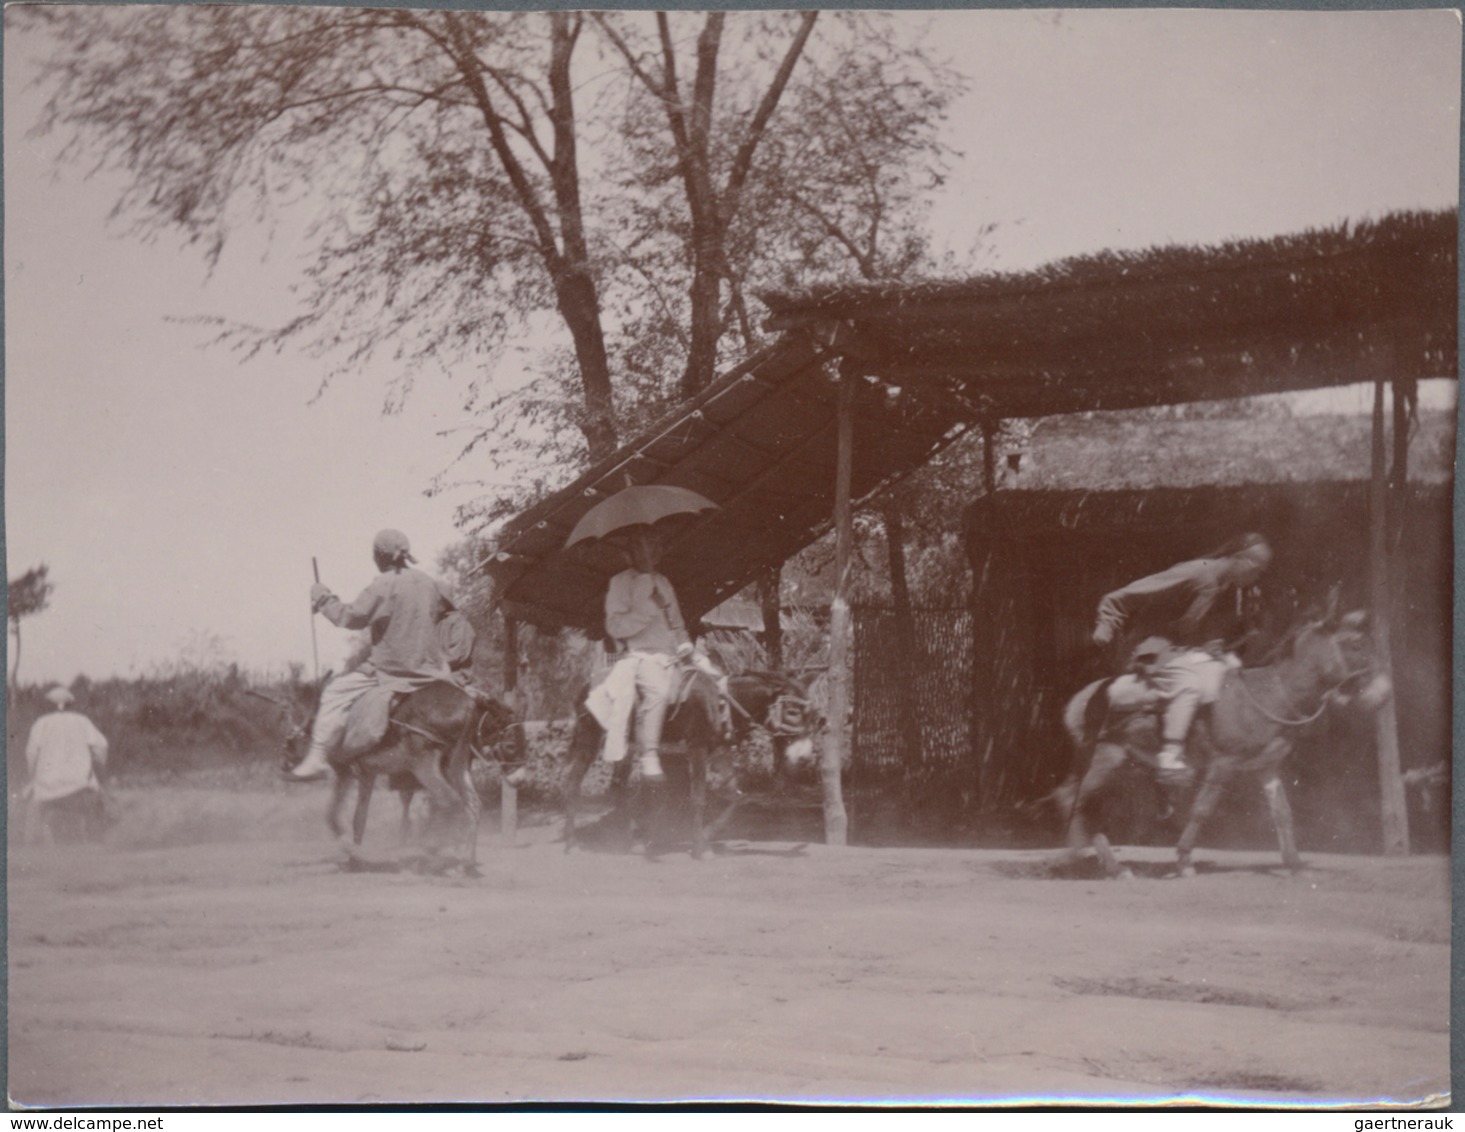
x=653 y=674
x=336 y=700
x=1189 y=679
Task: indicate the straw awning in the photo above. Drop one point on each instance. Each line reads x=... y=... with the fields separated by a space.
x=1357 y=303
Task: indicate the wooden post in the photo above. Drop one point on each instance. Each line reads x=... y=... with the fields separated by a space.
x=509 y=793
x=1394 y=813
x=989 y=457
x=770 y=599
x=836 y=746
x=912 y=744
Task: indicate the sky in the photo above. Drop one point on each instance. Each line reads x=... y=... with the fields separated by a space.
x=179 y=496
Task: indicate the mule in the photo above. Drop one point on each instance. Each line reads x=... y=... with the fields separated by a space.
x=430 y=743
x=1250 y=729
x=694 y=729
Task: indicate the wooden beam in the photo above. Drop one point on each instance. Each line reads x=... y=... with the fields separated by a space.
x=1393 y=810
x=837 y=739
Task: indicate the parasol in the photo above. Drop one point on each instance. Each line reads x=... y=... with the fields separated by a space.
x=637 y=505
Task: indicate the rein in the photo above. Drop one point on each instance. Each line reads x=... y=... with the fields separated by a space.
x=777 y=722
x=1322 y=707
x=478 y=751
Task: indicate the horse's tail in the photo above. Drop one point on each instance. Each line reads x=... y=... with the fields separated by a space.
x=1085 y=713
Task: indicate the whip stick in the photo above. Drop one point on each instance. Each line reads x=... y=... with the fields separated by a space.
x=314 y=648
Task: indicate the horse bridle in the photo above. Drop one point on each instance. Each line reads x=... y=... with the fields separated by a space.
x=787 y=718
x=479 y=752
x=1322 y=706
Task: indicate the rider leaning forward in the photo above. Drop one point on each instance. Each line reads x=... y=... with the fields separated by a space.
x=406 y=611
x=1179 y=604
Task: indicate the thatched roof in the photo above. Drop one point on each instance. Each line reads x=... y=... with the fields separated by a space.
x=1113 y=331
x=1119 y=451
x=1172 y=324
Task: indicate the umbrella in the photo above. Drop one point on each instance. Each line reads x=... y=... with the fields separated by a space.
x=637 y=505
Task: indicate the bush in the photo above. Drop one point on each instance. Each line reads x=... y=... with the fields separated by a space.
x=176 y=720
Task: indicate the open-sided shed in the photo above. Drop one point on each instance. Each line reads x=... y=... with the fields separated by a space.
x=865 y=383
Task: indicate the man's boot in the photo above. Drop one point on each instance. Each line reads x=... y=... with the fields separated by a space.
x=313 y=767
x=651 y=767
x=1173 y=778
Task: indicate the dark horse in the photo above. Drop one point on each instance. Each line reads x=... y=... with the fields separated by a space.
x=1250 y=729
x=434 y=734
x=693 y=729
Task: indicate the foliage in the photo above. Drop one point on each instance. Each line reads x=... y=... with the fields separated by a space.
x=26 y=596
x=181 y=716
x=464 y=180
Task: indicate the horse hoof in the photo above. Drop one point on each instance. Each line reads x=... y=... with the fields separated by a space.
x=1187 y=871
x=1125 y=873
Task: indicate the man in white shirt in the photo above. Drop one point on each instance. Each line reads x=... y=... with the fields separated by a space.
x=66 y=756
x=642 y=616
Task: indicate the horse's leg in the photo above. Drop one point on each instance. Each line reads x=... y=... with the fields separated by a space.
x=463 y=759
x=715 y=825
x=406 y=793
x=342 y=783
x=365 y=784
x=697 y=772
x=584 y=742
x=444 y=799
x=1217 y=774
x=1107 y=859
x=1281 y=810
x=1106 y=759
x=655 y=811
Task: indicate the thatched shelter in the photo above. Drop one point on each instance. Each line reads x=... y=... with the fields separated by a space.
x=867 y=382
x=931 y=360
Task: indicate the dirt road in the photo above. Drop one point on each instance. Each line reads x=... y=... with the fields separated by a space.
x=214 y=953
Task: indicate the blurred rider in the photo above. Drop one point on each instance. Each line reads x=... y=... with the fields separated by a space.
x=402 y=608
x=1179 y=600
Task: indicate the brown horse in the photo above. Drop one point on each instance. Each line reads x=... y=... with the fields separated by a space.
x=1250 y=729
x=694 y=731
x=434 y=734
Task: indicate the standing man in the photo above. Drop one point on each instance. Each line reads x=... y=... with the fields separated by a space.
x=643 y=618
x=402 y=607
x=66 y=757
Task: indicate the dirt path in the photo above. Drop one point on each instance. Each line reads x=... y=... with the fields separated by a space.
x=215 y=953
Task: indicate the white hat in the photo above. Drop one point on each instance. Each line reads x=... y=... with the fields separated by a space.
x=60 y=696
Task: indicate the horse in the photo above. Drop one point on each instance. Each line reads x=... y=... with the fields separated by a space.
x=771 y=701
x=1249 y=729
x=431 y=740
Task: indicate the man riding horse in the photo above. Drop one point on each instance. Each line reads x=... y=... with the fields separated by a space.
x=413 y=623
x=1180 y=604
x=644 y=620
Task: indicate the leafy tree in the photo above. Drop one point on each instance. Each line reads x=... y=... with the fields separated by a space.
x=713 y=195
x=26 y=596
x=461 y=175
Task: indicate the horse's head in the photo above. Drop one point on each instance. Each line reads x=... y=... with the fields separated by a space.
x=781 y=705
x=293 y=717
x=491 y=729
x=1339 y=651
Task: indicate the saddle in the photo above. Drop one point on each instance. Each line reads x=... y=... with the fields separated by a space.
x=368 y=720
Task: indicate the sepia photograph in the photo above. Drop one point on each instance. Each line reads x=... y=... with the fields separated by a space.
x=845 y=558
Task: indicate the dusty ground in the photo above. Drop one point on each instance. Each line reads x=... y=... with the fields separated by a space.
x=215 y=953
